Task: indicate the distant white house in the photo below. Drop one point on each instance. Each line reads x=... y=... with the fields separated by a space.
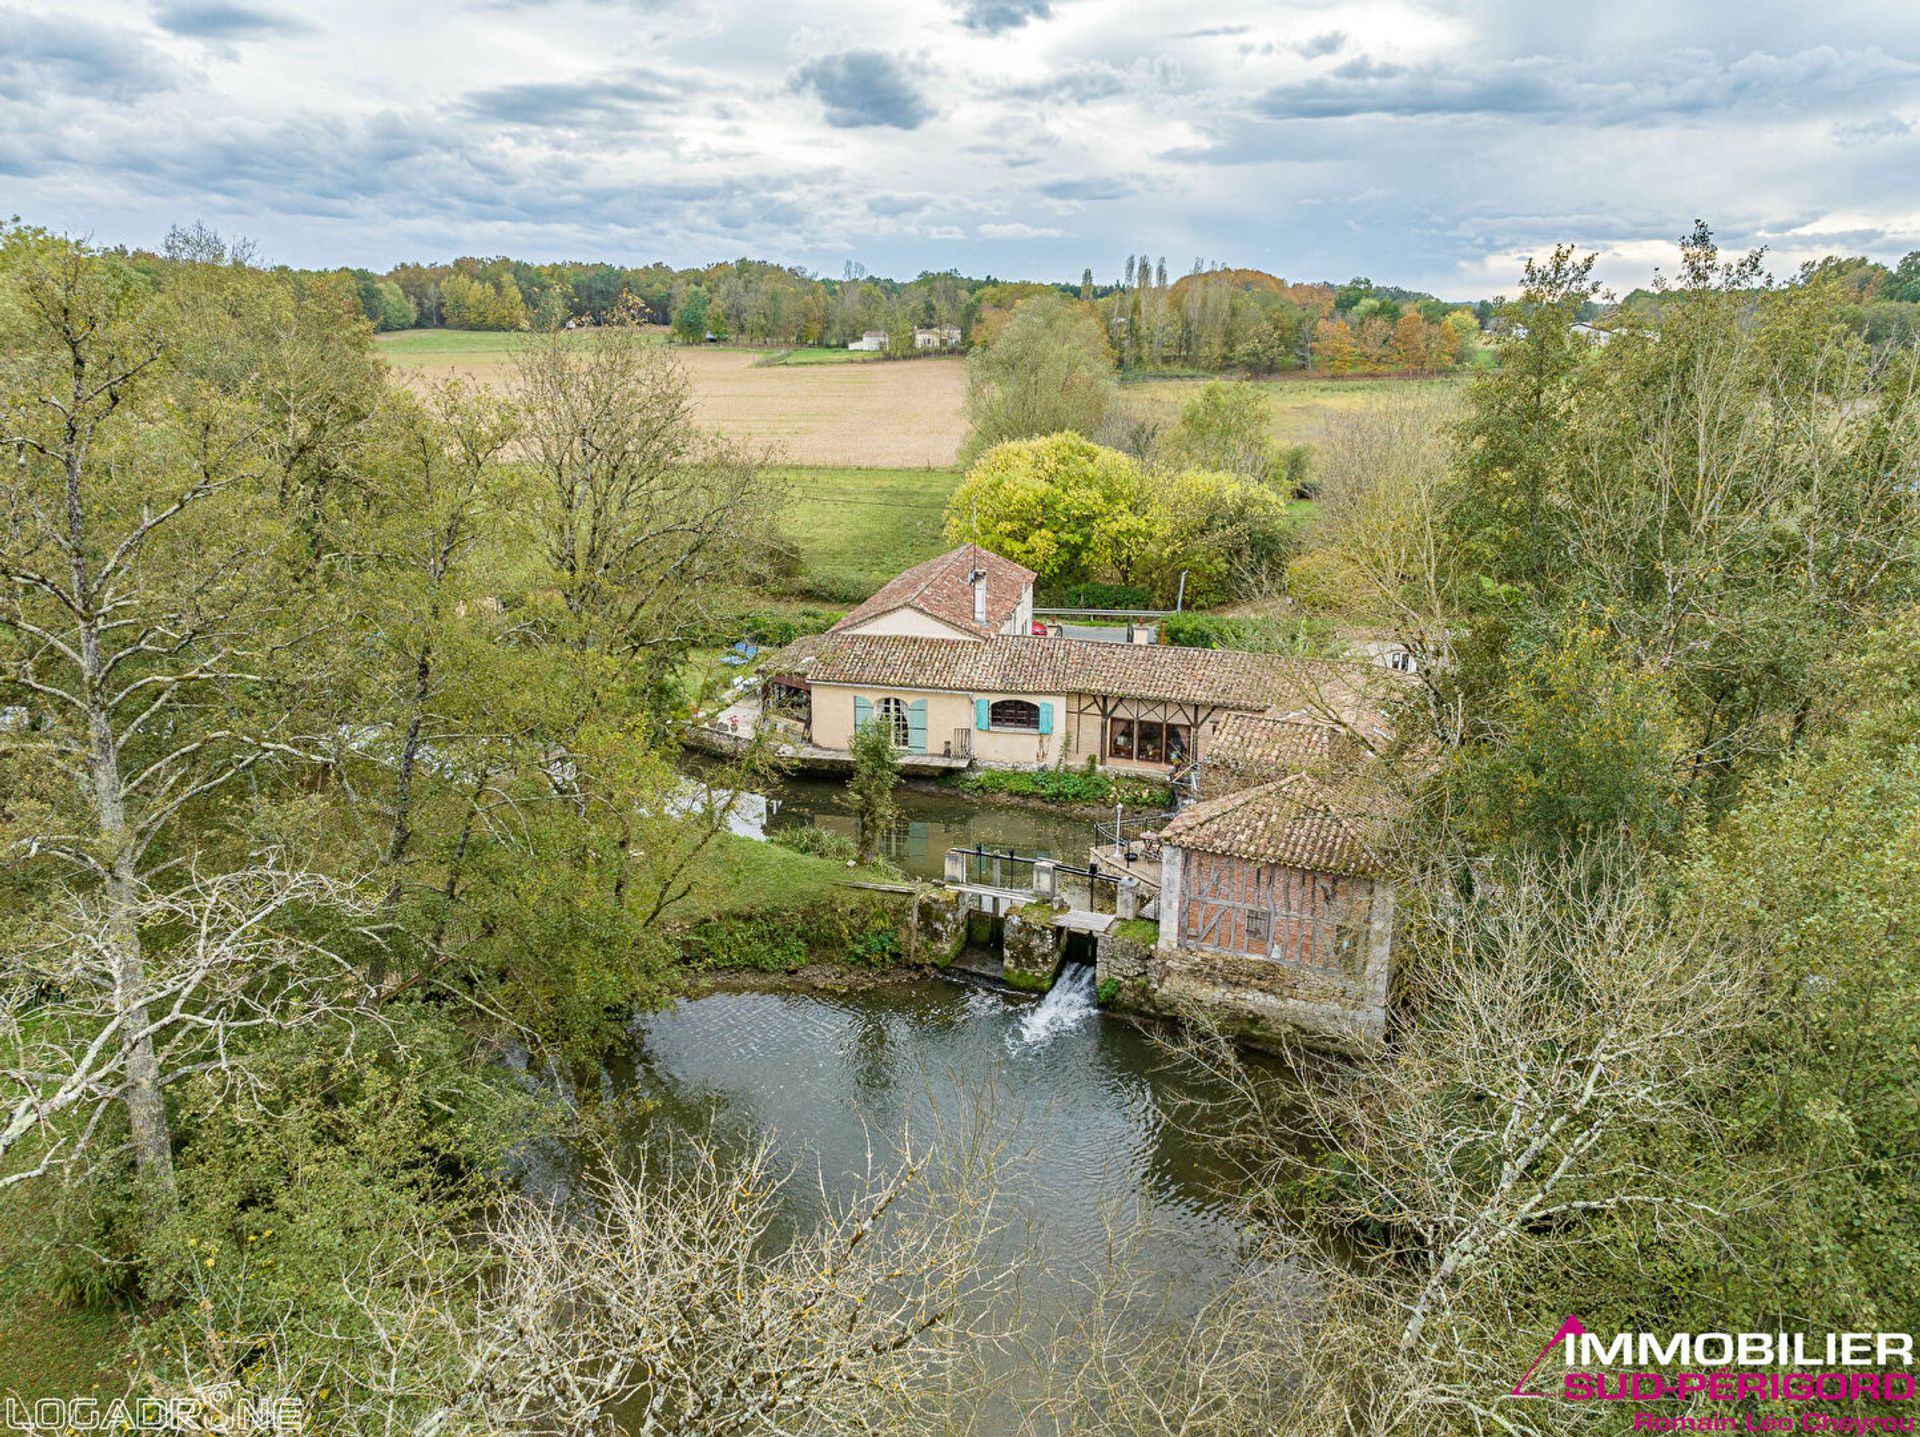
x=872 y=339
x=1591 y=333
x=939 y=336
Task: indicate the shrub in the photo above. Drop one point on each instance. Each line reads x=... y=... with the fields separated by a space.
x=1094 y=595
x=1067 y=785
x=769 y=627
x=819 y=842
x=849 y=927
x=837 y=588
x=1303 y=637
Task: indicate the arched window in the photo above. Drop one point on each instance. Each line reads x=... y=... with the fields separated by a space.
x=893 y=713
x=1014 y=713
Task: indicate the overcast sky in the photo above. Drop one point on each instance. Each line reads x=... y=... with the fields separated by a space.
x=1428 y=143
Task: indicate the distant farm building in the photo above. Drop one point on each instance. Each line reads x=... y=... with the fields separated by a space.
x=939 y=336
x=871 y=340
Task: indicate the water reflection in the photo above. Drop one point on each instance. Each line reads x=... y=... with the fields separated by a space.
x=1085 y=1102
x=928 y=824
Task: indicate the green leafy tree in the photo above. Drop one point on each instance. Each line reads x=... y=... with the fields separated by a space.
x=1589 y=749
x=1227 y=427
x=690 y=318
x=1047 y=371
x=876 y=773
x=1816 y=880
x=1051 y=504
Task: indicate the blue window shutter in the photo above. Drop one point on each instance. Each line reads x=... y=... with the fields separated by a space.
x=862 y=712
x=982 y=715
x=917 y=726
x=1046 y=718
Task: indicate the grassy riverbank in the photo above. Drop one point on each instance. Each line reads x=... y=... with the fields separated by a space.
x=47 y=1349
x=764 y=908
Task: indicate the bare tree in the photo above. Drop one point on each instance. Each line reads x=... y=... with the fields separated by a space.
x=678 y=1297
x=133 y=625
x=72 y=1047
x=1558 y=1021
x=1378 y=546
x=642 y=516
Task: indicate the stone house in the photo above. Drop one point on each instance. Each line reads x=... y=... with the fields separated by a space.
x=1276 y=913
x=947 y=656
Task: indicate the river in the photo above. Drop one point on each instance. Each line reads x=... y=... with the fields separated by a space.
x=927 y=824
x=1087 y=1103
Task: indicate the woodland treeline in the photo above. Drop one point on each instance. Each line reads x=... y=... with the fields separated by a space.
x=336 y=799
x=1212 y=318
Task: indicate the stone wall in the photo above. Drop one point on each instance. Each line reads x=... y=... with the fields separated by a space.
x=1123 y=969
x=1031 y=951
x=940 y=927
x=1265 y=1000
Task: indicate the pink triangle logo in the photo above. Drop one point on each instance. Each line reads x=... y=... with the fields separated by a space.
x=1572 y=1327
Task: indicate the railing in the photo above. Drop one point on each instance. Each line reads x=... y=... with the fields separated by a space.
x=1007 y=869
x=1122 y=831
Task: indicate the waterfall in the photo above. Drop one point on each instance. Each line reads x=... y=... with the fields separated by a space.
x=1067 y=1005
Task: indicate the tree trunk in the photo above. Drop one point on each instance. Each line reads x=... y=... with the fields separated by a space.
x=146 y=1106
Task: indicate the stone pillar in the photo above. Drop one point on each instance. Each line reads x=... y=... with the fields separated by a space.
x=1170 y=915
x=1043 y=876
x=956 y=867
x=1126 y=902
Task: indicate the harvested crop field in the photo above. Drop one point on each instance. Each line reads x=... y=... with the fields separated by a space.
x=908 y=415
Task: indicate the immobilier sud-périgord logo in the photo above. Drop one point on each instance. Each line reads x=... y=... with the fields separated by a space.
x=1691 y=1367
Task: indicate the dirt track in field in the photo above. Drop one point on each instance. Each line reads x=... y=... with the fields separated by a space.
x=901 y=416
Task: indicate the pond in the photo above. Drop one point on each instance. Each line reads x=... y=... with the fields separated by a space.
x=1088 y=1104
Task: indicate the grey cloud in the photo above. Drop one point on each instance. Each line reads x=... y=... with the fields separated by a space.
x=1877 y=127
x=1096 y=80
x=1683 y=83
x=1087 y=189
x=1324 y=43
x=76 y=57
x=566 y=103
x=222 y=20
x=862 y=88
x=990 y=17
x=892 y=204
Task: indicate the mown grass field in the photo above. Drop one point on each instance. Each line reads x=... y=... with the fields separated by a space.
x=413 y=348
x=792 y=357
x=744 y=875
x=860 y=527
x=843 y=408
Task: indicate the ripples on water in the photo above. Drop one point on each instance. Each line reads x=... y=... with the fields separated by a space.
x=1085 y=1103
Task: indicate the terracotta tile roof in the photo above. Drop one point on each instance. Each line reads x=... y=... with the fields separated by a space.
x=1288 y=822
x=791 y=660
x=1007 y=663
x=1259 y=742
x=939 y=587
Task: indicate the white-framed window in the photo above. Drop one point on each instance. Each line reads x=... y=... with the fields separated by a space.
x=893 y=713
